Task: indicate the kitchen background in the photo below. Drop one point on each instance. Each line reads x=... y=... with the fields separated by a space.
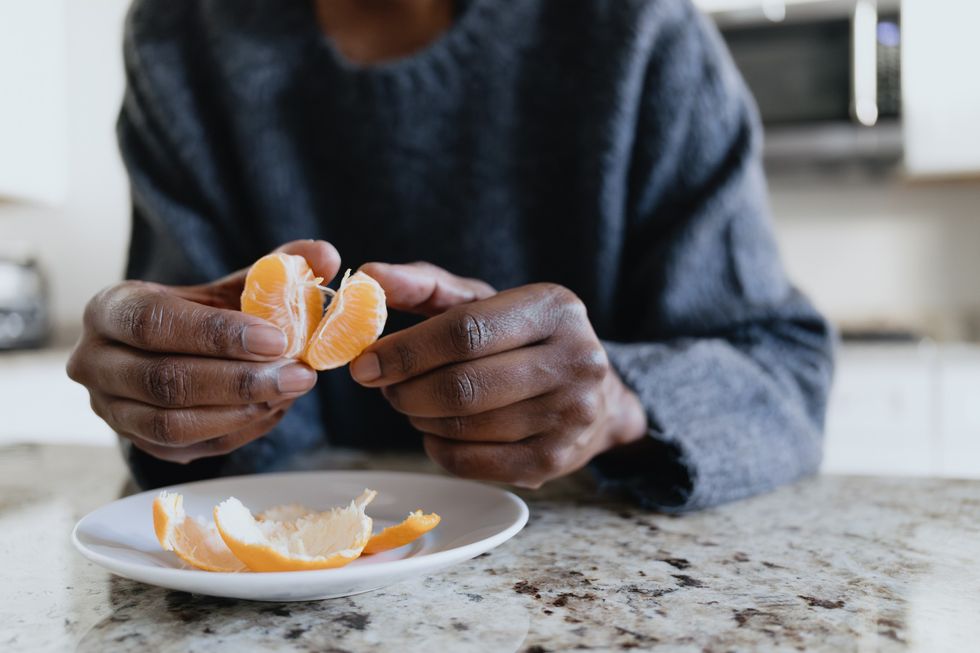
x=878 y=214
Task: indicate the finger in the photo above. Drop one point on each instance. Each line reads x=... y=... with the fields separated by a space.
x=478 y=386
x=177 y=427
x=187 y=381
x=153 y=318
x=227 y=291
x=528 y=463
x=511 y=423
x=424 y=288
x=322 y=257
x=511 y=319
x=216 y=446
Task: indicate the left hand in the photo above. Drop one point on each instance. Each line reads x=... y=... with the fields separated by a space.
x=512 y=387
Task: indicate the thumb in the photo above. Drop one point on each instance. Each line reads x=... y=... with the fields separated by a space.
x=424 y=288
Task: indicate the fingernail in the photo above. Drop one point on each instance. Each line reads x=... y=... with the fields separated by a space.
x=366 y=368
x=296 y=378
x=264 y=340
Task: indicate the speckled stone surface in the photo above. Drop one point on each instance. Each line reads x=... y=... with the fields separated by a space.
x=834 y=564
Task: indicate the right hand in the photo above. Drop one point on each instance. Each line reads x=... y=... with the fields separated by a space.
x=181 y=372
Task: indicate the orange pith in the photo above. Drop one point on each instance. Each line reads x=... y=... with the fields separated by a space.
x=322 y=540
x=282 y=289
x=196 y=543
x=354 y=319
x=283 y=538
x=412 y=528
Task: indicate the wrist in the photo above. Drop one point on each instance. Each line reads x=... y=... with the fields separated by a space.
x=627 y=417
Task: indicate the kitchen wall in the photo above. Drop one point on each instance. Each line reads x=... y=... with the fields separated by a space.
x=884 y=252
x=81 y=238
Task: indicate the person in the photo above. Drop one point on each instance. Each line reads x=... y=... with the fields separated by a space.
x=563 y=201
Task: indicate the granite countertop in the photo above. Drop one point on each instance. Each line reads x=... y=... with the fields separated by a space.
x=833 y=563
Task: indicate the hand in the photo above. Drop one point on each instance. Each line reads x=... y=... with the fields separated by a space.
x=512 y=386
x=181 y=372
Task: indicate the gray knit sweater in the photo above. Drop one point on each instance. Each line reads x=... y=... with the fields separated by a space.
x=606 y=145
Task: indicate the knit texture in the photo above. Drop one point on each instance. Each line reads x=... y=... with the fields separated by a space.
x=608 y=146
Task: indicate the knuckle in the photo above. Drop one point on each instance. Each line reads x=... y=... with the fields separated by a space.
x=139 y=318
x=558 y=294
x=458 y=390
x=407 y=359
x=160 y=428
x=470 y=333
x=166 y=382
x=107 y=299
x=584 y=410
x=215 y=332
x=460 y=461
x=246 y=383
x=219 y=446
x=551 y=460
x=74 y=368
x=567 y=304
x=454 y=458
x=102 y=408
x=590 y=364
x=455 y=427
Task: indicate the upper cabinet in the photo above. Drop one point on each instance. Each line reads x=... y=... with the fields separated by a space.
x=940 y=57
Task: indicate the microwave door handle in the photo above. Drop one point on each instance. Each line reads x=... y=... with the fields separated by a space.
x=864 y=62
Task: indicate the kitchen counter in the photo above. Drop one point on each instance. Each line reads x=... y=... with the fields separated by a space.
x=833 y=563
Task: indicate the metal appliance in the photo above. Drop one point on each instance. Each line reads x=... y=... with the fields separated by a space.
x=24 y=319
x=826 y=75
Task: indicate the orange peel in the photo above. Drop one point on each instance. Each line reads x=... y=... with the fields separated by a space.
x=412 y=528
x=194 y=541
x=323 y=540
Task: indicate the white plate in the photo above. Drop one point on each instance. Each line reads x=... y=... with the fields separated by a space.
x=475 y=518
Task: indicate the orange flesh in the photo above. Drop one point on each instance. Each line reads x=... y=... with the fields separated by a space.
x=353 y=321
x=282 y=289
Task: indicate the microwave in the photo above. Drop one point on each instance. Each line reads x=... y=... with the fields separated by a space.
x=826 y=75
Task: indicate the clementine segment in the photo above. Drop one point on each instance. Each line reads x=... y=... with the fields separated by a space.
x=281 y=288
x=354 y=319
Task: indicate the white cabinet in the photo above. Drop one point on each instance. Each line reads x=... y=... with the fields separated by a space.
x=882 y=417
x=905 y=409
x=959 y=412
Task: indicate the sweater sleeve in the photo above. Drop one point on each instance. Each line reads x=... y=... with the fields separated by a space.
x=731 y=363
x=185 y=231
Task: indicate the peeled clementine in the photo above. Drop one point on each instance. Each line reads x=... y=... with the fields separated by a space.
x=321 y=540
x=194 y=541
x=281 y=288
x=354 y=319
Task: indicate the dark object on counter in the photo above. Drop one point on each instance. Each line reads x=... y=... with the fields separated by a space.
x=23 y=303
x=881 y=335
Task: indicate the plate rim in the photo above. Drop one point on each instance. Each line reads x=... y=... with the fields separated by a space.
x=433 y=561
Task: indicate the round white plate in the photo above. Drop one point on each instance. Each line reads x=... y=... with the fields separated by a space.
x=475 y=518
